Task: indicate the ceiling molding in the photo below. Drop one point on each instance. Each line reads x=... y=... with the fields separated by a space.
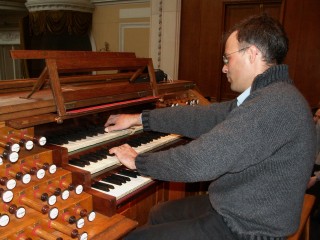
x=13 y=6
x=106 y=2
x=72 y=5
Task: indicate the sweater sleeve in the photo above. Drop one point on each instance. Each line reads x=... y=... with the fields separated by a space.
x=189 y=121
x=206 y=158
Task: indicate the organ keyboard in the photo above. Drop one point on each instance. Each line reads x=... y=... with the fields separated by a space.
x=92 y=136
x=101 y=159
x=69 y=104
x=121 y=184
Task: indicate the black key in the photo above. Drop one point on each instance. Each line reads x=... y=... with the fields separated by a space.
x=112 y=180
x=86 y=162
x=109 y=154
x=97 y=156
x=134 y=142
x=106 y=184
x=118 y=178
x=129 y=173
x=100 y=130
x=75 y=137
x=100 y=186
x=77 y=163
x=102 y=153
x=88 y=158
x=124 y=177
x=92 y=158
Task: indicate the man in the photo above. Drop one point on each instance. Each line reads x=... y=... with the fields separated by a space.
x=258 y=150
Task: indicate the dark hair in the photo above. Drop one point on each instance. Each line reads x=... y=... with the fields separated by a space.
x=266 y=33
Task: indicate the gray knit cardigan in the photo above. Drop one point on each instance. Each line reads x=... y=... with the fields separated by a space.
x=259 y=156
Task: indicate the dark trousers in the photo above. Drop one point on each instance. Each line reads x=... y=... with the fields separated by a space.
x=189 y=218
x=315 y=212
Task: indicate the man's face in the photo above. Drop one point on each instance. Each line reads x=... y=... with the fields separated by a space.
x=237 y=69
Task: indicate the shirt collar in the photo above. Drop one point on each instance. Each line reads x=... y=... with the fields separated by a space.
x=243 y=96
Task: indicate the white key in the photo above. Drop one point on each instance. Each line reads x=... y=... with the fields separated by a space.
x=156 y=143
x=120 y=191
x=102 y=164
x=89 y=141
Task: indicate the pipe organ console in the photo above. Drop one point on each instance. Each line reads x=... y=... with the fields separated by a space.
x=57 y=178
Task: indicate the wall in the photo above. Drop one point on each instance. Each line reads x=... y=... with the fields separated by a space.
x=10 y=15
x=155 y=35
x=124 y=27
x=300 y=21
x=165 y=35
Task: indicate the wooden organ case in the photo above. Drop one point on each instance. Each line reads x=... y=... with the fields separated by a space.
x=69 y=187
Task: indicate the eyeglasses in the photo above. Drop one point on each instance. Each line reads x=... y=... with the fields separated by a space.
x=225 y=56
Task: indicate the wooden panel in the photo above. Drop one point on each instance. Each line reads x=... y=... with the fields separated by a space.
x=200 y=45
x=138 y=208
x=42 y=54
x=190 y=40
x=209 y=49
x=73 y=93
x=304 y=47
x=100 y=62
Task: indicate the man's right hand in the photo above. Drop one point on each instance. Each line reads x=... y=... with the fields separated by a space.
x=122 y=121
